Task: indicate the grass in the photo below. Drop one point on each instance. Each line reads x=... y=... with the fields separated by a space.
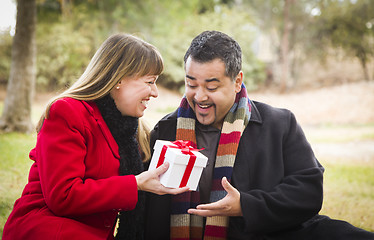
x=349 y=192
x=14 y=166
x=348 y=183
x=349 y=187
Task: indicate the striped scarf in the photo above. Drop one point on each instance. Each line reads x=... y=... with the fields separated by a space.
x=186 y=226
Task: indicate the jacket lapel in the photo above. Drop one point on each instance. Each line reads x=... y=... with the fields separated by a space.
x=95 y=112
x=255 y=114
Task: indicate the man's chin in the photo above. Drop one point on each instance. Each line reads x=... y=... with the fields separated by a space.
x=204 y=121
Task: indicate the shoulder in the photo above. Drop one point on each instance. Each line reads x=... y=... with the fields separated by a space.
x=170 y=117
x=271 y=119
x=69 y=110
x=265 y=113
x=165 y=128
x=66 y=105
x=266 y=110
x=167 y=121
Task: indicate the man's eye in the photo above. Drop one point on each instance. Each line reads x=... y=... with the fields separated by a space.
x=212 y=88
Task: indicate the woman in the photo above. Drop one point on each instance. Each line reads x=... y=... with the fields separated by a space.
x=88 y=166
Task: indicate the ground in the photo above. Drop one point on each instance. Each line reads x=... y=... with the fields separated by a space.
x=342 y=114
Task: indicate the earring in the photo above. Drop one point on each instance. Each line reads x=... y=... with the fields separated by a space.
x=117 y=87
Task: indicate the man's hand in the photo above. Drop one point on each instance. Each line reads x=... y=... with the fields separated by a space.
x=227 y=206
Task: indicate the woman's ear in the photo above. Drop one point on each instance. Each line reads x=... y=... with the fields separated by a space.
x=118 y=85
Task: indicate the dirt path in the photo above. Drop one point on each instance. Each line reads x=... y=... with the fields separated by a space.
x=338 y=121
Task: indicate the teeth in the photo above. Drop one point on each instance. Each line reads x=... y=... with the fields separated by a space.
x=204 y=106
x=145 y=103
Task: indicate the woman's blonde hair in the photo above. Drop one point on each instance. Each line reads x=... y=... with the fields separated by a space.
x=121 y=55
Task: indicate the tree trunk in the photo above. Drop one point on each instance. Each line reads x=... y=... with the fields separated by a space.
x=20 y=90
x=362 y=57
x=285 y=46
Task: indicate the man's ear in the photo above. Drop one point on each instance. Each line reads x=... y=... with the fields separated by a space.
x=238 y=82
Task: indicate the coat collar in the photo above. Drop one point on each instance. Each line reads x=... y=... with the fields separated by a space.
x=95 y=112
x=255 y=114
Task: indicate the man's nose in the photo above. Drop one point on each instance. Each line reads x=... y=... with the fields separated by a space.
x=201 y=95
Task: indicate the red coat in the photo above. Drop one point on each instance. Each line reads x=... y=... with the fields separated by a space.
x=74 y=191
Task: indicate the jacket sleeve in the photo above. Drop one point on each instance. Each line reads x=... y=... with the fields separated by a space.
x=289 y=179
x=61 y=156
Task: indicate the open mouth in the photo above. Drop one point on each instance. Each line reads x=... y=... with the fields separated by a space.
x=145 y=103
x=203 y=107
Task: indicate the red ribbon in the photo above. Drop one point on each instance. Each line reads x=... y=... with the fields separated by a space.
x=186 y=148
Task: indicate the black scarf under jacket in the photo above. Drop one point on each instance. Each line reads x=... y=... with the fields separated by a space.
x=123 y=129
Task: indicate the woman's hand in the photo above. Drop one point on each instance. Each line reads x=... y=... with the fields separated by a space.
x=149 y=181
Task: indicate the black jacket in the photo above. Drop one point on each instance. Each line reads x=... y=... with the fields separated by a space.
x=278 y=177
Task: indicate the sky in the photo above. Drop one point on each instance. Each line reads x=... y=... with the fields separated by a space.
x=8 y=13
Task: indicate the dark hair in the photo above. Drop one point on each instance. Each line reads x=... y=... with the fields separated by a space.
x=210 y=45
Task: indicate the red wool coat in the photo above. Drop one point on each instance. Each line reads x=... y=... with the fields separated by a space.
x=74 y=191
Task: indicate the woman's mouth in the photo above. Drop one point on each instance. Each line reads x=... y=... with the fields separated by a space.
x=145 y=103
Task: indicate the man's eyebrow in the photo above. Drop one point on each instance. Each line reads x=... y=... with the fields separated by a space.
x=206 y=80
x=212 y=80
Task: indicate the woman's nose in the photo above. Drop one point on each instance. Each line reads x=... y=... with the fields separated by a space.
x=154 y=91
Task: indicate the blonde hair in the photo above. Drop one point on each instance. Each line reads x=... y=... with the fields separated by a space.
x=121 y=55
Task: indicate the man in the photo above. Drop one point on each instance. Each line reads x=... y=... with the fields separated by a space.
x=262 y=180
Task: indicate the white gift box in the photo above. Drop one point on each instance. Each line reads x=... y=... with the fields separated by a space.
x=184 y=169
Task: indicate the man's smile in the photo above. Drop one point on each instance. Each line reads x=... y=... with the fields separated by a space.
x=203 y=107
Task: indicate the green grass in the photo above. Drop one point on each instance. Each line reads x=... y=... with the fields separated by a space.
x=349 y=187
x=349 y=192
x=14 y=167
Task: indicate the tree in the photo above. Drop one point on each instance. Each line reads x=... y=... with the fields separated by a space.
x=285 y=25
x=285 y=42
x=348 y=26
x=20 y=90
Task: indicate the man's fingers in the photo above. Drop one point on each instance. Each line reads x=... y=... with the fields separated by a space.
x=203 y=213
x=226 y=185
x=210 y=206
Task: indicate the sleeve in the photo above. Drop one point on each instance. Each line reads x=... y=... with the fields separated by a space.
x=298 y=195
x=61 y=153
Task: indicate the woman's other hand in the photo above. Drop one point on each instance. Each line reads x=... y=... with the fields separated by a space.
x=149 y=181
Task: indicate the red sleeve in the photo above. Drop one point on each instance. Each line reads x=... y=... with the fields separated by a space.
x=61 y=152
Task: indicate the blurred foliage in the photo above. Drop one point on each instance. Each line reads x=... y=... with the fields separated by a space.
x=62 y=54
x=70 y=31
x=348 y=25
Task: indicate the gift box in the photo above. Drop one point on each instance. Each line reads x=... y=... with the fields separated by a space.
x=185 y=163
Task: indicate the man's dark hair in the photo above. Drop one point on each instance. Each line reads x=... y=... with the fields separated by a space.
x=210 y=45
